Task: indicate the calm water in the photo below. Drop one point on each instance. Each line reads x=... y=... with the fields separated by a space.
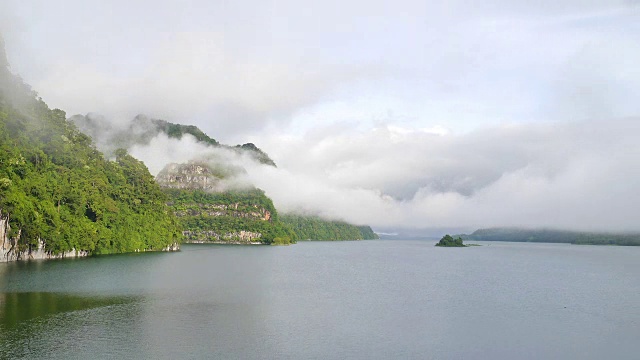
x=326 y=300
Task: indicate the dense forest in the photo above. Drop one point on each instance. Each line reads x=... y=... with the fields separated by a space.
x=241 y=216
x=57 y=188
x=553 y=236
x=315 y=228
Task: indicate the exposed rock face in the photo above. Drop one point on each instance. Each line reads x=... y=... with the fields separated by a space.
x=190 y=176
x=172 y=247
x=237 y=237
x=9 y=250
x=234 y=210
x=219 y=215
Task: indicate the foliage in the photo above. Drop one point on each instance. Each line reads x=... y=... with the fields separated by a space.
x=449 y=241
x=256 y=153
x=208 y=214
x=56 y=187
x=554 y=236
x=177 y=131
x=315 y=228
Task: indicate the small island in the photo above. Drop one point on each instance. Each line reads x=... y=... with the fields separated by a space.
x=449 y=241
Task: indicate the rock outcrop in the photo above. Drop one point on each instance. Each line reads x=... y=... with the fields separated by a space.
x=211 y=236
x=10 y=251
x=187 y=176
x=211 y=213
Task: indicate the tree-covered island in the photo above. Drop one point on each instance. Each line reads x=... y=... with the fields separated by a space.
x=449 y=241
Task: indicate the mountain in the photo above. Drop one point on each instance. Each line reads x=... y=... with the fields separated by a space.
x=209 y=212
x=141 y=130
x=214 y=176
x=554 y=236
x=60 y=197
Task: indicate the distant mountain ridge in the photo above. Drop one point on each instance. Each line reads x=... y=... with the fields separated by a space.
x=553 y=236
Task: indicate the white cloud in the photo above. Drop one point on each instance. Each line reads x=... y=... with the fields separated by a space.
x=576 y=175
x=412 y=113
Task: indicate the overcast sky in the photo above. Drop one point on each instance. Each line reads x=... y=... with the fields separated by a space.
x=392 y=113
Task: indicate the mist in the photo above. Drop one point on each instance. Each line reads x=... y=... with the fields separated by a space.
x=577 y=176
x=573 y=175
x=409 y=114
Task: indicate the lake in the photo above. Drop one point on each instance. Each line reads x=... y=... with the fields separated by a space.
x=328 y=300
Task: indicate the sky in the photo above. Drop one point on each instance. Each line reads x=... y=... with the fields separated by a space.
x=397 y=114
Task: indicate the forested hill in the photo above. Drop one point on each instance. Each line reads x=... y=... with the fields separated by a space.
x=57 y=191
x=141 y=130
x=210 y=211
x=553 y=236
x=315 y=228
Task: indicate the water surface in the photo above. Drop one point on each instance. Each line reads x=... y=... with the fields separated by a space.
x=328 y=300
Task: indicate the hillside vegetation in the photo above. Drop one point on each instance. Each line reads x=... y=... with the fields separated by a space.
x=315 y=228
x=240 y=216
x=449 y=241
x=553 y=236
x=57 y=188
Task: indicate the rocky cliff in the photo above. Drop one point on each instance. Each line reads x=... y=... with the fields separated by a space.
x=191 y=176
x=208 y=213
x=11 y=251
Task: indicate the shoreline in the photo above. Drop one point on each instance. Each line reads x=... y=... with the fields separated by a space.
x=222 y=242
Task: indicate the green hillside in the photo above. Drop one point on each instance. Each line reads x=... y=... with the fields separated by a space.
x=240 y=216
x=55 y=186
x=315 y=228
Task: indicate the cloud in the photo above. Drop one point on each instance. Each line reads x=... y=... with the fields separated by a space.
x=238 y=68
x=195 y=76
x=578 y=175
x=570 y=175
x=407 y=113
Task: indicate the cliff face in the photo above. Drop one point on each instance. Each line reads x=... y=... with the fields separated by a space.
x=234 y=237
x=190 y=176
x=238 y=210
x=208 y=214
x=10 y=251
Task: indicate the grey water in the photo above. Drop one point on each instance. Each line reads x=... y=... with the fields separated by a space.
x=328 y=300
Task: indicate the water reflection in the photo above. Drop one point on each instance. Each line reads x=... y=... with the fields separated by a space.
x=18 y=307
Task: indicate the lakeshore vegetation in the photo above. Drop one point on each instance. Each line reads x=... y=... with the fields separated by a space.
x=58 y=189
x=315 y=228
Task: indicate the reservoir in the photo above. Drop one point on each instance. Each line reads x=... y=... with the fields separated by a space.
x=328 y=300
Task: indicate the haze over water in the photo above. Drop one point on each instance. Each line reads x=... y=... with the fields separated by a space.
x=321 y=300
